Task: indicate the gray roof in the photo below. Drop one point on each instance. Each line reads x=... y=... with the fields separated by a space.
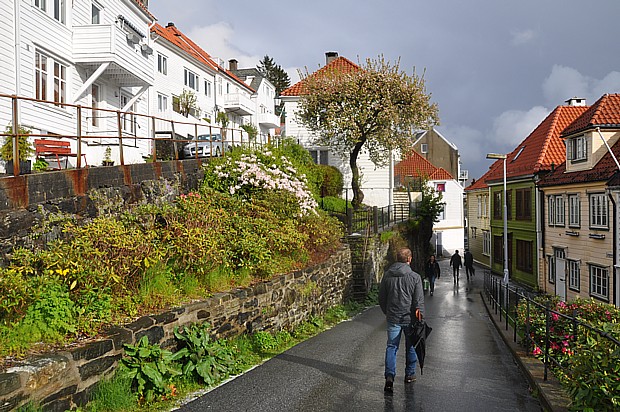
x=245 y=73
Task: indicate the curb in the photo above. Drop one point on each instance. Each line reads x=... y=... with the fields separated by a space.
x=550 y=393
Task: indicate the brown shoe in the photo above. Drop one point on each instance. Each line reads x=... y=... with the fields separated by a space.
x=410 y=379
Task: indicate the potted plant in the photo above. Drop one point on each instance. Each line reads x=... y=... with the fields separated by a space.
x=26 y=150
x=107 y=158
x=222 y=119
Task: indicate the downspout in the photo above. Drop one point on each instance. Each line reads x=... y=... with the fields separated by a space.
x=391 y=183
x=540 y=231
x=615 y=226
x=539 y=237
x=17 y=51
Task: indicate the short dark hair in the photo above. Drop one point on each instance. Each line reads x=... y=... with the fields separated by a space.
x=403 y=255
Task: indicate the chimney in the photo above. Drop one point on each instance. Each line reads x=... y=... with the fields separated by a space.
x=170 y=24
x=232 y=65
x=576 y=101
x=330 y=57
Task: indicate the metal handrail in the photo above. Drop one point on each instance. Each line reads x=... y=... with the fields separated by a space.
x=505 y=300
x=81 y=114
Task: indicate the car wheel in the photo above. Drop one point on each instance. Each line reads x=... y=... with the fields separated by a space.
x=218 y=151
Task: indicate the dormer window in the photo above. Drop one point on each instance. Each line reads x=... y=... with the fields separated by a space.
x=518 y=153
x=576 y=149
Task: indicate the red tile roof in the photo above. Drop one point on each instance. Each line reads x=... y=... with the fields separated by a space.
x=340 y=64
x=480 y=183
x=542 y=148
x=604 y=113
x=144 y=8
x=605 y=169
x=417 y=166
x=180 y=40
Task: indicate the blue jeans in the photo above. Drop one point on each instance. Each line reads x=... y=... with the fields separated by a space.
x=394 y=331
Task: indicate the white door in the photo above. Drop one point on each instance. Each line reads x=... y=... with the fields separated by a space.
x=560 y=277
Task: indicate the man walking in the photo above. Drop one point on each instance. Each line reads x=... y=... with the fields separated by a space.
x=401 y=298
x=469 y=264
x=456 y=263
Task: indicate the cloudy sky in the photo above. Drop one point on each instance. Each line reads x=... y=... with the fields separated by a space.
x=495 y=68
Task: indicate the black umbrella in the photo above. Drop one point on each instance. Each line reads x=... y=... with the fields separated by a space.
x=419 y=332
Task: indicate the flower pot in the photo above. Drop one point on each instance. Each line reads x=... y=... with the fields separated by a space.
x=25 y=167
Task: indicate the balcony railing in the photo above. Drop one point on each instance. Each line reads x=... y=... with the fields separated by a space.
x=269 y=120
x=239 y=103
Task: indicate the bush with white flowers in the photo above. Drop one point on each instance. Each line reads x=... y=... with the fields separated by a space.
x=245 y=174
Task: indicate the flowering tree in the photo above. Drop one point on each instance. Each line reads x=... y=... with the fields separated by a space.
x=376 y=108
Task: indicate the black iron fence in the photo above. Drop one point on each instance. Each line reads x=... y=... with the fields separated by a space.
x=505 y=300
x=375 y=219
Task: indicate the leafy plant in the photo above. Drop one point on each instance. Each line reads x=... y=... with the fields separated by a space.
x=150 y=368
x=187 y=102
x=251 y=130
x=40 y=165
x=25 y=147
x=210 y=360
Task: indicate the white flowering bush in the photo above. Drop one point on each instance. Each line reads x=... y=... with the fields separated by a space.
x=246 y=174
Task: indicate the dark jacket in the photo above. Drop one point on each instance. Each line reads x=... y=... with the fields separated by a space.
x=401 y=293
x=432 y=269
x=455 y=261
x=469 y=259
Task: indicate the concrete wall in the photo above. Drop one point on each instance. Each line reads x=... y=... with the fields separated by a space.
x=65 y=379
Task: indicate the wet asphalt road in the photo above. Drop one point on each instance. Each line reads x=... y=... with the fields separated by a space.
x=467 y=366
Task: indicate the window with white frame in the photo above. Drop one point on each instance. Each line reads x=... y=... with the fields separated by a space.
x=479 y=206
x=162 y=102
x=599 y=282
x=162 y=64
x=55 y=8
x=128 y=120
x=95 y=14
x=320 y=157
x=442 y=214
x=207 y=88
x=485 y=206
x=486 y=242
x=599 y=211
x=559 y=211
x=57 y=76
x=574 y=277
x=191 y=79
x=424 y=147
x=574 y=211
x=576 y=149
x=550 y=210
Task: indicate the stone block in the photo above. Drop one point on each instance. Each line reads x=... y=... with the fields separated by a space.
x=155 y=334
x=119 y=336
x=97 y=366
x=62 y=394
x=12 y=403
x=142 y=323
x=93 y=350
x=9 y=382
x=165 y=318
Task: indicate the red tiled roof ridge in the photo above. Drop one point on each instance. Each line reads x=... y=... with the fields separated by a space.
x=415 y=165
x=338 y=64
x=542 y=147
x=176 y=37
x=605 y=111
x=441 y=174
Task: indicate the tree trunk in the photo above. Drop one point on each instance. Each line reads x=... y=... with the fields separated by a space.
x=358 y=195
x=420 y=242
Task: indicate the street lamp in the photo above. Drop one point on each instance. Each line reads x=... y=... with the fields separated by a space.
x=503 y=157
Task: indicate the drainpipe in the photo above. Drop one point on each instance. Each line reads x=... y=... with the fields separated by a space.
x=616 y=290
x=17 y=51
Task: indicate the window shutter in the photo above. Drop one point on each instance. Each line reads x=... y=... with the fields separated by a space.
x=569 y=149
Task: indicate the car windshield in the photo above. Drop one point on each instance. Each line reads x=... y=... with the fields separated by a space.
x=214 y=137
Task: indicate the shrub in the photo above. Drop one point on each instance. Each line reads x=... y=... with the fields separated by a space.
x=331 y=181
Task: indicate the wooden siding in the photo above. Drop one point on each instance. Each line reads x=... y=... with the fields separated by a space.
x=579 y=247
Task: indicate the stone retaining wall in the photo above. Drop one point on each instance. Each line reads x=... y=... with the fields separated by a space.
x=29 y=202
x=65 y=379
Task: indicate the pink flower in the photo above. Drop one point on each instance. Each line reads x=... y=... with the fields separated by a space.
x=536 y=351
x=555 y=316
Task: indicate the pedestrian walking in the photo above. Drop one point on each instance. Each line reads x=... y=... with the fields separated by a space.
x=469 y=264
x=432 y=272
x=401 y=299
x=456 y=263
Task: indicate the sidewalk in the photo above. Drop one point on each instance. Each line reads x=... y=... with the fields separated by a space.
x=550 y=392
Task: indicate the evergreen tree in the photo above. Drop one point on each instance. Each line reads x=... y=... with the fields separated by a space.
x=274 y=73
